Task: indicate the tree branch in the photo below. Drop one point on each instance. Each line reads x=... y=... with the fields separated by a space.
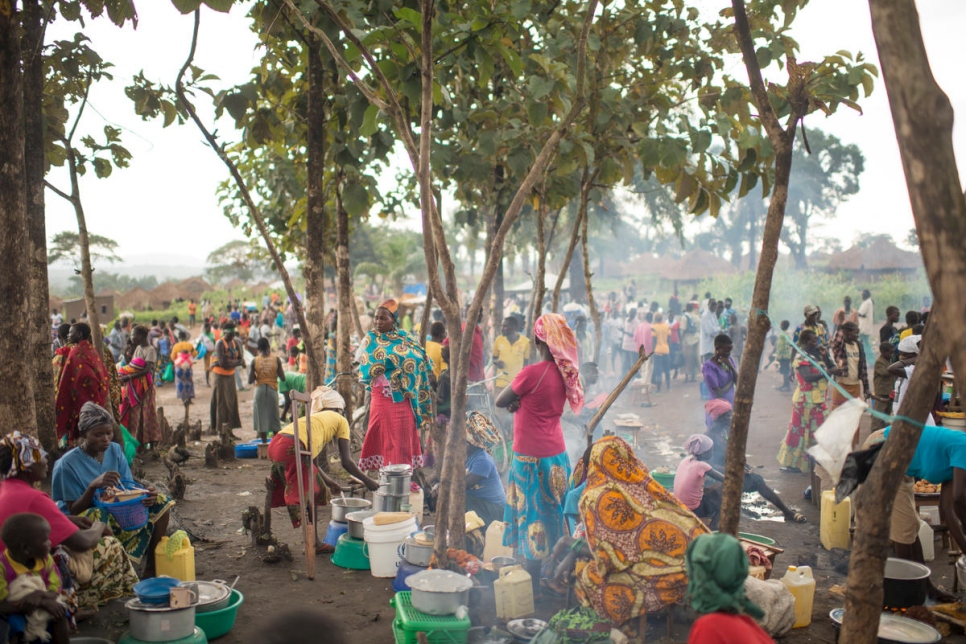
x=743 y=35
x=60 y=193
x=245 y=194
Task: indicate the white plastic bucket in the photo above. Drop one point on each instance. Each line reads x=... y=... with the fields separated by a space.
x=382 y=544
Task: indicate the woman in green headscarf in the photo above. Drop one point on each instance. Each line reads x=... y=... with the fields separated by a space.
x=717 y=567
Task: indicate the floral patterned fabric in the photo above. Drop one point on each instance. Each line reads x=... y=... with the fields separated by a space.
x=638 y=534
x=534 y=504
x=398 y=356
x=134 y=542
x=552 y=329
x=808 y=414
x=82 y=379
x=113 y=577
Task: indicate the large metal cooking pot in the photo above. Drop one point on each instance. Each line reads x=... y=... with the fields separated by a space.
x=439 y=592
x=415 y=553
x=395 y=480
x=894 y=629
x=354 y=520
x=905 y=583
x=388 y=502
x=343 y=506
x=160 y=623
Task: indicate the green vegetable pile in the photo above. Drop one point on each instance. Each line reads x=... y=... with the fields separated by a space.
x=580 y=625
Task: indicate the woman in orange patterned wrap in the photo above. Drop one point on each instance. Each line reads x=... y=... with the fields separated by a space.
x=637 y=533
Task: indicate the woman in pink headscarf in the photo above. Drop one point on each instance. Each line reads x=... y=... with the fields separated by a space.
x=540 y=471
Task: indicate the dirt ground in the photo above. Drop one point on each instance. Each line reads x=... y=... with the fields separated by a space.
x=215 y=500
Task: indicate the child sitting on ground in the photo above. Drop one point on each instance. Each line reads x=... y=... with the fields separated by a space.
x=30 y=586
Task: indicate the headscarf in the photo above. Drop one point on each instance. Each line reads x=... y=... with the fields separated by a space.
x=717 y=407
x=698 y=444
x=552 y=329
x=910 y=344
x=83 y=379
x=717 y=568
x=390 y=305
x=480 y=431
x=25 y=451
x=93 y=415
x=327 y=398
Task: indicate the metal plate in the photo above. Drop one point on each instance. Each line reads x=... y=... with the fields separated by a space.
x=525 y=629
x=210 y=592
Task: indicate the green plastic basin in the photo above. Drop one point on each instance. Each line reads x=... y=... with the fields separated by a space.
x=218 y=622
x=765 y=541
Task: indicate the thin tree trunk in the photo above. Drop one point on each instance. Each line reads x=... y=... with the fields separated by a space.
x=498 y=292
x=539 y=284
x=923 y=119
x=38 y=352
x=14 y=243
x=427 y=318
x=343 y=350
x=246 y=197
x=591 y=302
x=565 y=266
x=313 y=267
x=758 y=325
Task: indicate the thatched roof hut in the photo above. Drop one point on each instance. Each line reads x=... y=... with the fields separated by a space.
x=165 y=294
x=193 y=288
x=645 y=264
x=696 y=265
x=137 y=299
x=880 y=257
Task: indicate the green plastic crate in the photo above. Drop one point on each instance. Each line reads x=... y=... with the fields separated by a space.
x=439 y=629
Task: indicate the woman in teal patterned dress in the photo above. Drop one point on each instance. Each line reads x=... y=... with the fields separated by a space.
x=397 y=373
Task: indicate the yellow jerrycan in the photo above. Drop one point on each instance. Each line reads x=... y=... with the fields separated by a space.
x=180 y=563
x=514 y=593
x=801 y=584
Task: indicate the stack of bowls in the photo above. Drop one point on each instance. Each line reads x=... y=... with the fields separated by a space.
x=393 y=492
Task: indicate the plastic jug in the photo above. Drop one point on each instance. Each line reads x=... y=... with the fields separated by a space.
x=928 y=539
x=493 y=546
x=836 y=521
x=181 y=564
x=799 y=581
x=514 y=593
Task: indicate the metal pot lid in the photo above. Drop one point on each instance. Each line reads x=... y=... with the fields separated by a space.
x=439 y=581
x=136 y=605
x=211 y=592
x=397 y=470
x=411 y=541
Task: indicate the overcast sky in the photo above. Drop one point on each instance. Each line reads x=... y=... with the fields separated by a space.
x=163 y=209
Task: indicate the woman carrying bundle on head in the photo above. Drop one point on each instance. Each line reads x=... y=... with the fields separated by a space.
x=396 y=371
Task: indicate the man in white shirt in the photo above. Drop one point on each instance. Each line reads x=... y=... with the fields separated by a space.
x=709 y=330
x=867 y=328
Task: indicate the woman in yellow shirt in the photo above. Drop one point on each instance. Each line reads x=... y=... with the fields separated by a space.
x=182 y=355
x=326 y=424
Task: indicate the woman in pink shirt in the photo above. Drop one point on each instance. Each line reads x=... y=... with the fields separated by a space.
x=540 y=471
x=689 y=480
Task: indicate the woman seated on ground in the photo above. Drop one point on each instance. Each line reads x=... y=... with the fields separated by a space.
x=92 y=564
x=326 y=424
x=690 y=480
x=717 y=568
x=636 y=535
x=719 y=411
x=97 y=463
x=484 y=490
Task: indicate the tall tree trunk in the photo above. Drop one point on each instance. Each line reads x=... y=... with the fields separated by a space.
x=14 y=292
x=568 y=257
x=38 y=352
x=782 y=140
x=591 y=301
x=87 y=269
x=427 y=319
x=539 y=282
x=343 y=350
x=313 y=268
x=923 y=119
x=498 y=292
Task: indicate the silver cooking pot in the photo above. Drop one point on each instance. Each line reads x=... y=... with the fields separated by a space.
x=415 y=553
x=354 y=521
x=343 y=506
x=150 y=623
x=439 y=592
x=388 y=502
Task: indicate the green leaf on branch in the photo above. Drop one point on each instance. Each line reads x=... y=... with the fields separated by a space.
x=222 y=6
x=369 y=122
x=102 y=168
x=355 y=199
x=186 y=6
